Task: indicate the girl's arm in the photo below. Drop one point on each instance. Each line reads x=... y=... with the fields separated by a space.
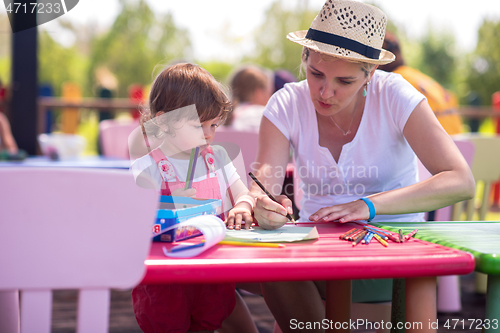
x=451 y=180
x=243 y=206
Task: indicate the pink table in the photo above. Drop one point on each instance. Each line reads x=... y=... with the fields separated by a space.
x=327 y=258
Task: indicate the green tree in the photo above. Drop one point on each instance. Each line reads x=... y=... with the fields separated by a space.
x=437 y=56
x=273 y=49
x=137 y=46
x=57 y=64
x=484 y=64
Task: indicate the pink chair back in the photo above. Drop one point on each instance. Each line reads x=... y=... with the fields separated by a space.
x=86 y=229
x=248 y=142
x=467 y=149
x=114 y=137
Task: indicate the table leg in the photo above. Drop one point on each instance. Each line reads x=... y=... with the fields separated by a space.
x=493 y=304
x=338 y=305
x=421 y=312
x=9 y=311
x=398 y=305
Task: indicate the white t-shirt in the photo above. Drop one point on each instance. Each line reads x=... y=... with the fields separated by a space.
x=247 y=117
x=378 y=158
x=145 y=168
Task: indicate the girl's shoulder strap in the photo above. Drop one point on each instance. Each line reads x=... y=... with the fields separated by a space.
x=166 y=168
x=209 y=158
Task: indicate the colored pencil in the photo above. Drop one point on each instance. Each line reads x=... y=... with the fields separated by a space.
x=354 y=235
x=236 y=243
x=359 y=238
x=192 y=166
x=411 y=234
x=347 y=233
x=380 y=240
x=368 y=238
x=378 y=232
x=401 y=237
x=290 y=217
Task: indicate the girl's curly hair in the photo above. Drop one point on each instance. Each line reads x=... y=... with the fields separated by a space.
x=181 y=85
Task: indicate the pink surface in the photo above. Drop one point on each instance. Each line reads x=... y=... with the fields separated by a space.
x=327 y=258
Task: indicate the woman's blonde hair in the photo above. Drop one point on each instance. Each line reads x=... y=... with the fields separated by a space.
x=365 y=67
x=182 y=85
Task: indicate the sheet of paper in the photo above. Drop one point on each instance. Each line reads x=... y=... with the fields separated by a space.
x=287 y=233
x=212 y=227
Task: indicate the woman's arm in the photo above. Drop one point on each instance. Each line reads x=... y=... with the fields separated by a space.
x=451 y=180
x=272 y=159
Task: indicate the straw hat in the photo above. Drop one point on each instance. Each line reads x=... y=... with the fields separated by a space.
x=349 y=30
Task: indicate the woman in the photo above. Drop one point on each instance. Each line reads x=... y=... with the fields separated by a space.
x=354 y=132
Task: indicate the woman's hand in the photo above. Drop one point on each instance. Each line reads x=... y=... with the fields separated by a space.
x=352 y=211
x=241 y=212
x=272 y=215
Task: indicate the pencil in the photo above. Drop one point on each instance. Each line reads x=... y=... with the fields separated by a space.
x=290 y=217
x=411 y=234
x=382 y=235
x=401 y=237
x=344 y=235
x=236 y=243
x=359 y=238
x=354 y=235
x=368 y=238
x=192 y=166
x=380 y=240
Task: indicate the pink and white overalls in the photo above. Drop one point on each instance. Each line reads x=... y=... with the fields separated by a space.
x=183 y=307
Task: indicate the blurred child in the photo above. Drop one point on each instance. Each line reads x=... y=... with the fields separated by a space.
x=251 y=88
x=186 y=105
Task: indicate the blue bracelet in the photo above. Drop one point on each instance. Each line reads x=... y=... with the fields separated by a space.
x=371 y=207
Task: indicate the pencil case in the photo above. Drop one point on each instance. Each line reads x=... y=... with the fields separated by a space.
x=174 y=210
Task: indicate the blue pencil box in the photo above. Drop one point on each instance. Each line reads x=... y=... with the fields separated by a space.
x=174 y=210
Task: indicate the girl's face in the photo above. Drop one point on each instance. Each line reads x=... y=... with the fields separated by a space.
x=189 y=134
x=334 y=85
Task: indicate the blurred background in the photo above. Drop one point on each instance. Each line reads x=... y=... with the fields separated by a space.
x=113 y=49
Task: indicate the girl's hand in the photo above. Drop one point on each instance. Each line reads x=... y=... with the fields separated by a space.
x=272 y=215
x=241 y=212
x=352 y=211
x=181 y=192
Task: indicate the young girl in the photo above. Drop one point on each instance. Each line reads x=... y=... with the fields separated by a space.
x=186 y=106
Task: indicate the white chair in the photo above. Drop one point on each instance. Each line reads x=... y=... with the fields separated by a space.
x=85 y=229
x=485 y=168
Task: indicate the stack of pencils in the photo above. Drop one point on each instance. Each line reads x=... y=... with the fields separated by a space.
x=368 y=233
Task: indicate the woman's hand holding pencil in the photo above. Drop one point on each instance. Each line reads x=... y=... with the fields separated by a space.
x=278 y=210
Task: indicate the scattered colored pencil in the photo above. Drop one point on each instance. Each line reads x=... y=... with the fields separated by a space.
x=347 y=233
x=192 y=166
x=236 y=243
x=411 y=234
x=378 y=232
x=368 y=238
x=381 y=241
x=401 y=237
x=359 y=238
x=353 y=235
